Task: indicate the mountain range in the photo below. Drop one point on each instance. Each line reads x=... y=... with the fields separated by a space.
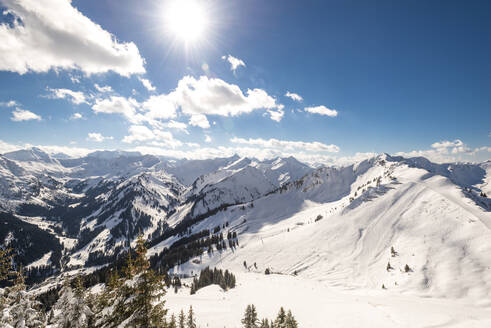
x=401 y=223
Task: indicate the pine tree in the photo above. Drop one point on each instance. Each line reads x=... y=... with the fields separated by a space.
x=20 y=307
x=129 y=268
x=141 y=262
x=172 y=323
x=191 y=322
x=5 y=263
x=290 y=321
x=265 y=324
x=182 y=320
x=71 y=309
x=393 y=251
x=280 y=321
x=138 y=301
x=250 y=319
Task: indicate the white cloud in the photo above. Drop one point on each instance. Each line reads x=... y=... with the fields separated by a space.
x=10 y=103
x=97 y=137
x=199 y=120
x=234 y=62
x=212 y=96
x=52 y=34
x=287 y=145
x=75 y=79
x=177 y=125
x=19 y=115
x=159 y=107
x=192 y=144
x=6 y=147
x=454 y=147
x=118 y=105
x=322 y=110
x=76 y=97
x=293 y=96
x=103 y=89
x=50 y=149
x=195 y=98
x=481 y=149
x=251 y=152
x=207 y=138
x=140 y=133
x=147 y=84
x=450 y=151
x=76 y=116
x=276 y=115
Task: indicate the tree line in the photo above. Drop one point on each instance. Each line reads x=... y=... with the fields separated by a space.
x=207 y=276
x=132 y=296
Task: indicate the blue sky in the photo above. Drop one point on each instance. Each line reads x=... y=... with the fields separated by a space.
x=412 y=78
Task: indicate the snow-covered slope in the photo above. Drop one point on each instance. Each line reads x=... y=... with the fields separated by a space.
x=331 y=224
x=338 y=225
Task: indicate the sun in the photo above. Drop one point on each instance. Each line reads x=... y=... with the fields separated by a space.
x=186 y=20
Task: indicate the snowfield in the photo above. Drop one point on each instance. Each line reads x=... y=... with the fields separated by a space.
x=316 y=305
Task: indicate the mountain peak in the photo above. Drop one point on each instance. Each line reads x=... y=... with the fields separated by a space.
x=30 y=154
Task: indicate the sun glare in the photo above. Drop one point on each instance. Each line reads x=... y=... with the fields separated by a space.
x=186 y=20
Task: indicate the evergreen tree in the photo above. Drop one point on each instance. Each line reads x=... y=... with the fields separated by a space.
x=280 y=321
x=182 y=320
x=71 y=310
x=129 y=268
x=250 y=319
x=265 y=324
x=172 y=323
x=138 y=301
x=5 y=263
x=191 y=322
x=290 y=321
x=21 y=310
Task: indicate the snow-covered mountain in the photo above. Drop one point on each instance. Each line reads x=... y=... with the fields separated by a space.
x=355 y=226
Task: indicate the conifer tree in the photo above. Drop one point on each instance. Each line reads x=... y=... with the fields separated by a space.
x=129 y=268
x=182 y=319
x=5 y=263
x=264 y=324
x=21 y=309
x=191 y=322
x=280 y=319
x=71 y=309
x=290 y=321
x=137 y=300
x=172 y=323
x=250 y=319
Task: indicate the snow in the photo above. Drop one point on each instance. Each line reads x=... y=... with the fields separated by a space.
x=330 y=272
x=44 y=260
x=315 y=304
x=441 y=234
